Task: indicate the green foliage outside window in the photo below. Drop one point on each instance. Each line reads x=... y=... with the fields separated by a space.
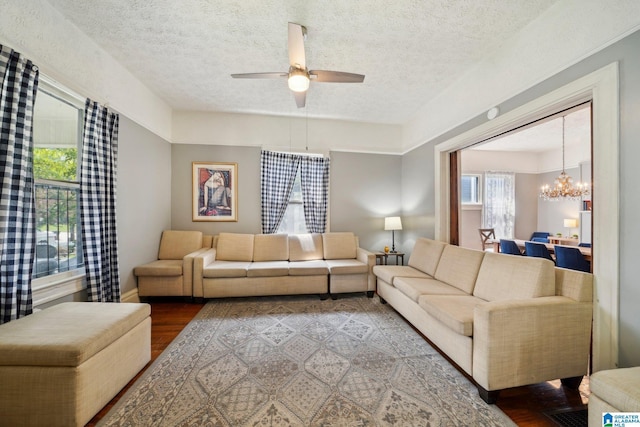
x=58 y=164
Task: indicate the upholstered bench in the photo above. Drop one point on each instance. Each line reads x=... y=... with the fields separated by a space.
x=62 y=365
x=613 y=390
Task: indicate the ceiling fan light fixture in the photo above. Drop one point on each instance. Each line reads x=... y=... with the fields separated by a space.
x=298 y=80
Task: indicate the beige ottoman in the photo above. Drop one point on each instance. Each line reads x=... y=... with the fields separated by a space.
x=614 y=390
x=62 y=365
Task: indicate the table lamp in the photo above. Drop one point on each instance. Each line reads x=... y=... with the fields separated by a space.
x=570 y=223
x=393 y=223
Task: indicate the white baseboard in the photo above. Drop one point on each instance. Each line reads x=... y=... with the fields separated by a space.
x=131 y=296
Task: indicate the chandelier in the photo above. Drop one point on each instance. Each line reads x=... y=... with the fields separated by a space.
x=563 y=187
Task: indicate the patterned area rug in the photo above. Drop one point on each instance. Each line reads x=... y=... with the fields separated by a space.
x=299 y=361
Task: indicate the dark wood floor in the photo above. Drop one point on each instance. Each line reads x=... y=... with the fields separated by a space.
x=526 y=406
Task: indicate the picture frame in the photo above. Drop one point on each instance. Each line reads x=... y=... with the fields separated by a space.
x=214 y=191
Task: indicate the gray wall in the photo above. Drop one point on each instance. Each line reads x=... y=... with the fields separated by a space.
x=418 y=196
x=418 y=187
x=365 y=188
x=248 y=160
x=144 y=202
x=527 y=189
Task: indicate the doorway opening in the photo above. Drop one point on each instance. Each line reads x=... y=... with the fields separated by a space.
x=600 y=87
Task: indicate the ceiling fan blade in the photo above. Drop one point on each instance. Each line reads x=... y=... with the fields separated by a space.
x=335 y=77
x=275 y=75
x=296 y=45
x=301 y=98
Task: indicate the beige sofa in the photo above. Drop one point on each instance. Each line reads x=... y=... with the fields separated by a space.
x=172 y=273
x=613 y=390
x=505 y=320
x=279 y=264
x=62 y=365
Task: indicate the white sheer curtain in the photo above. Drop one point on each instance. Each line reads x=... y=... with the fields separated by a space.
x=499 y=205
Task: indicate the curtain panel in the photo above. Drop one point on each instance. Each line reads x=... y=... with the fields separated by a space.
x=499 y=206
x=98 y=179
x=19 y=83
x=277 y=175
x=314 y=178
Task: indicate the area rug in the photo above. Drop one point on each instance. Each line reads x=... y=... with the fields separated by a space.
x=300 y=361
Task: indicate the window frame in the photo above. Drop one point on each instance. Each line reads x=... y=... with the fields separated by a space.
x=57 y=285
x=479 y=191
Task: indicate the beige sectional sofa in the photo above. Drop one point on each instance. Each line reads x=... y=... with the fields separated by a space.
x=172 y=273
x=505 y=320
x=280 y=264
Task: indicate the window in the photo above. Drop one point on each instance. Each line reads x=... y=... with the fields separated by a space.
x=498 y=209
x=57 y=133
x=293 y=221
x=471 y=189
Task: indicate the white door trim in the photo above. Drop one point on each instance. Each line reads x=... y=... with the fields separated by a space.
x=601 y=87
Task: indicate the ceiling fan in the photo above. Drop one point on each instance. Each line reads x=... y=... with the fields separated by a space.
x=298 y=76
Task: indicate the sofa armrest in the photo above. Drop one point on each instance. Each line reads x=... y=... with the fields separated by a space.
x=200 y=261
x=518 y=342
x=368 y=258
x=187 y=271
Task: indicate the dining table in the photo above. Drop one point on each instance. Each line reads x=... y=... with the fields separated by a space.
x=586 y=252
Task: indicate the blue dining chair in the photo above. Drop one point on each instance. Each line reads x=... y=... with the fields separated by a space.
x=584 y=245
x=540 y=236
x=509 y=247
x=536 y=249
x=572 y=258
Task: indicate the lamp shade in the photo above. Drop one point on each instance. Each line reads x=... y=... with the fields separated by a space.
x=298 y=80
x=570 y=222
x=392 y=223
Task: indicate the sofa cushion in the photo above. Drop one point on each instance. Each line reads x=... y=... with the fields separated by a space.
x=503 y=277
x=618 y=387
x=346 y=266
x=455 y=311
x=268 y=269
x=207 y=241
x=235 y=247
x=426 y=254
x=165 y=267
x=339 y=245
x=271 y=247
x=387 y=273
x=305 y=247
x=308 y=268
x=413 y=287
x=176 y=244
x=67 y=334
x=459 y=267
x=226 y=269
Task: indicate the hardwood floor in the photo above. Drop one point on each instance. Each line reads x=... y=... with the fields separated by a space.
x=526 y=406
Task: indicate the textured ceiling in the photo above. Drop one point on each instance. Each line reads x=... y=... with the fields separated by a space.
x=409 y=50
x=546 y=135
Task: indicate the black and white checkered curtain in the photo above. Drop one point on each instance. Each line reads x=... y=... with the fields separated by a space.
x=314 y=178
x=98 y=202
x=19 y=82
x=277 y=174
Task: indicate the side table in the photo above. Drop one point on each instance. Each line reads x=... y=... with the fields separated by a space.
x=383 y=257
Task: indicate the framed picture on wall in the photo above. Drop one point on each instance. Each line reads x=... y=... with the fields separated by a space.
x=214 y=191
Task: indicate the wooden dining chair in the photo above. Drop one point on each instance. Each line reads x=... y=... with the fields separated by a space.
x=486 y=235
